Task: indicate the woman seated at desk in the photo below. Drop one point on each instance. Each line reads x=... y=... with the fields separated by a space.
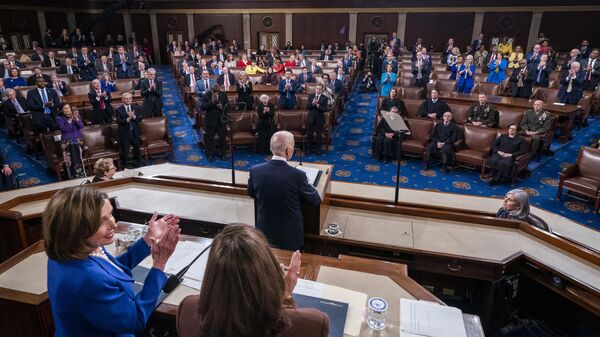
x=516 y=207
x=104 y=170
x=90 y=291
x=245 y=292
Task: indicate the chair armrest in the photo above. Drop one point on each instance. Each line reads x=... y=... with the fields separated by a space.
x=459 y=144
x=569 y=172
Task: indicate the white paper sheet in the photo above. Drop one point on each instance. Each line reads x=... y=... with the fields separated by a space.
x=309 y=288
x=423 y=318
x=311 y=173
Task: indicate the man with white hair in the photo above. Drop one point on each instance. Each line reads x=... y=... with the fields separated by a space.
x=571 y=85
x=279 y=191
x=100 y=100
x=129 y=134
x=151 y=89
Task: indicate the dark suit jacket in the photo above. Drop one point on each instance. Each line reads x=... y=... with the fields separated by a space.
x=221 y=79
x=123 y=125
x=31 y=80
x=63 y=69
x=119 y=65
x=36 y=104
x=305 y=322
x=100 y=67
x=439 y=107
x=213 y=112
x=9 y=110
x=544 y=76
x=96 y=104
x=476 y=44
x=36 y=57
x=279 y=191
x=152 y=98
x=317 y=111
x=595 y=73
x=188 y=79
x=527 y=81
x=46 y=62
x=87 y=72
x=576 y=89
x=441 y=133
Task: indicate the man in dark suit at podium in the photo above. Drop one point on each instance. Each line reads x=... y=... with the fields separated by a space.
x=279 y=191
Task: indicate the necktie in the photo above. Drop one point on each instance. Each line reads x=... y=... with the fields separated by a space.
x=101 y=101
x=45 y=100
x=151 y=82
x=445 y=123
x=570 y=86
x=226 y=81
x=123 y=63
x=18 y=106
x=57 y=89
x=52 y=64
x=105 y=67
x=128 y=110
x=69 y=70
x=287 y=83
x=539 y=75
x=589 y=74
x=192 y=80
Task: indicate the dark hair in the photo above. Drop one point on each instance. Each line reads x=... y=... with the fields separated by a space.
x=243 y=286
x=70 y=218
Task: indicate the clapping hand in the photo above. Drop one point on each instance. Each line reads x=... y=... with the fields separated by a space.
x=291 y=276
x=157 y=227
x=6 y=170
x=162 y=249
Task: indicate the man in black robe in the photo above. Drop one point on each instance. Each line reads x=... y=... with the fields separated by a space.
x=433 y=107
x=505 y=149
x=386 y=144
x=441 y=142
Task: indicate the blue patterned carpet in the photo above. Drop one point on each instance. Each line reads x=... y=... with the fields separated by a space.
x=350 y=155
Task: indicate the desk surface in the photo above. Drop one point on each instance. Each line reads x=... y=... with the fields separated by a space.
x=511 y=101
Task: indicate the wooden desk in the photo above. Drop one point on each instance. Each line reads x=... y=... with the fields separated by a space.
x=83 y=100
x=566 y=112
x=27 y=315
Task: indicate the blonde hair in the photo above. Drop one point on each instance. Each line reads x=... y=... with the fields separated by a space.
x=102 y=166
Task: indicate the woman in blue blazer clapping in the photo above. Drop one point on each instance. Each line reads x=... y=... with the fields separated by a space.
x=388 y=80
x=91 y=292
x=464 y=75
x=497 y=70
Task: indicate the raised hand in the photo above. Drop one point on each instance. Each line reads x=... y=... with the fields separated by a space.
x=161 y=249
x=157 y=227
x=291 y=276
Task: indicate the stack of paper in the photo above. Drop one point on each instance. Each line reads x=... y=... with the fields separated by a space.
x=312 y=174
x=185 y=252
x=423 y=318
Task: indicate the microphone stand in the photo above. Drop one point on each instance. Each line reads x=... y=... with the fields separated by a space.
x=300 y=155
x=227 y=120
x=397 y=192
x=175 y=280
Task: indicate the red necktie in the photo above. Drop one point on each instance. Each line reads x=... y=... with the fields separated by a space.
x=101 y=101
x=226 y=81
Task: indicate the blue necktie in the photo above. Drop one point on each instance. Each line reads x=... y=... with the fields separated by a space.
x=539 y=75
x=45 y=100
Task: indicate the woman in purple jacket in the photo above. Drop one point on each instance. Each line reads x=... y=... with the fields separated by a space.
x=71 y=141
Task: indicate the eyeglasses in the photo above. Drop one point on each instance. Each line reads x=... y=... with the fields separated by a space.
x=112 y=168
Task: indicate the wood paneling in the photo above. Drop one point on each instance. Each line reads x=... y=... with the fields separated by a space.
x=165 y=23
x=56 y=21
x=516 y=24
x=364 y=26
x=278 y=26
x=566 y=29
x=112 y=24
x=436 y=28
x=227 y=25
x=21 y=21
x=140 y=24
x=204 y=4
x=311 y=29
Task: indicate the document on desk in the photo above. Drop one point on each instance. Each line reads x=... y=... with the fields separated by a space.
x=423 y=318
x=184 y=253
x=313 y=174
x=356 y=301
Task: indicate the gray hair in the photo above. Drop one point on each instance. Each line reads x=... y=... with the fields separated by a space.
x=152 y=70
x=522 y=199
x=264 y=97
x=281 y=141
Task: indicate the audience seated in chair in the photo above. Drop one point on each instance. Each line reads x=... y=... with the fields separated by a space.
x=483 y=113
x=505 y=150
x=441 y=142
x=386 y=143
x=536 y=123
x=433 y=107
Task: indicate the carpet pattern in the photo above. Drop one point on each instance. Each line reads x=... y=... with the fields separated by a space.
x=350 y=155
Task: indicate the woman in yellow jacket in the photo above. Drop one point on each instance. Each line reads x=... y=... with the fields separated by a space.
x=253 y=69
x=515 y=57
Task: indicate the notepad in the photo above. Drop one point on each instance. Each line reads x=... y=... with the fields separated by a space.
x=423 y=318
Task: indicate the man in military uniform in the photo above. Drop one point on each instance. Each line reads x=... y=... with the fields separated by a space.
x=482 y=113
x=536 y=123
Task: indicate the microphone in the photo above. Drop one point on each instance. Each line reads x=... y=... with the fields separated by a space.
x=175 y=280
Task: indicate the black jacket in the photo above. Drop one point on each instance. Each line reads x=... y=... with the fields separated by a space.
x=279 y=191
x=123 y=130
x=439 y=107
